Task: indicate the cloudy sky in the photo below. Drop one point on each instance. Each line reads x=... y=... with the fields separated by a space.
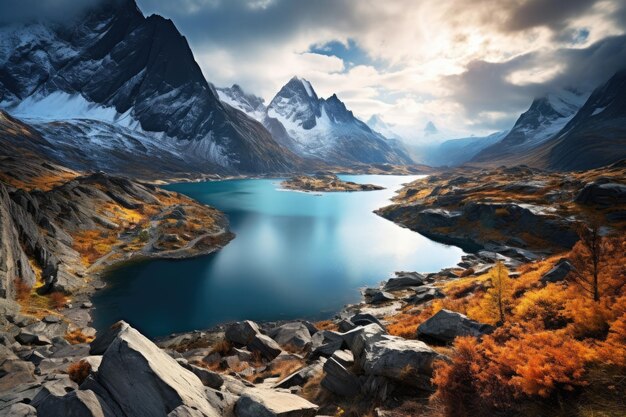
x=471 y=67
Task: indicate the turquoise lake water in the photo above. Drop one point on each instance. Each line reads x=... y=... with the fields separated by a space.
x=296 y=255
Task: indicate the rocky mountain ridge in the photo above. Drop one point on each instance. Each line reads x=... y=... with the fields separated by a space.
x=123 y=69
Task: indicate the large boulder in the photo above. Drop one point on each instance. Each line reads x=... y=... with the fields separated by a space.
x=404 y=280
x=602 y=192
x=446 y=325
x=355 y=339
x=393 y=357
x=242 y=333
x=558 y=273
x=145 y=381
x=294 y=335
x=256 y=402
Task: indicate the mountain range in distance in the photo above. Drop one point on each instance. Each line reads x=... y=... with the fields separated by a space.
x=122 y=92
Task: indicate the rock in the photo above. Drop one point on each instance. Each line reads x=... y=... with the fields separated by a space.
x=26 y=337
x=82 y=403
x=242 y=332
x=380 y=297
x=143 y=380
x=14 y=372
x=424 y=294
x=446 y=325
x=300 y=377
x=405 y=280
x=243 y=355
x=325 y=343
x=345 y=325
x=19 y=410
x=603 y=193
x=255 y=402
x=208 y=378
x=100 y=344
x=344 y=357
x=86 y=304
x=407 y=361
x=265 y=345
x=378 y=387
x=88 y=331
x=36 y=358
x=94 y=362
x=338 y=380
x=223 y=401
x=558 y=273
x=51 y=319
x=355 y=339
x=294 y=335
x=363 y=319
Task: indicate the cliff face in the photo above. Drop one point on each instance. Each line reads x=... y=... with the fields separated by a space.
x=14 y=264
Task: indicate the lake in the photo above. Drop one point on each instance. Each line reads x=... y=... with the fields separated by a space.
x=296 y=255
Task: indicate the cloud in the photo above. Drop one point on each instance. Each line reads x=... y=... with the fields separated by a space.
x=549 y=13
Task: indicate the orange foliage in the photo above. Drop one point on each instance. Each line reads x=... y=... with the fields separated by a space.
x=79 y=371
x=77 y=336
x=57 y=300
x=405 y=324
x=554 y=335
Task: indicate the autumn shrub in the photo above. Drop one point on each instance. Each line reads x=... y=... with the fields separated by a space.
x=77 y=336
x=222 y=347
x=57 y=300
x=326 y=325
x=79 y=371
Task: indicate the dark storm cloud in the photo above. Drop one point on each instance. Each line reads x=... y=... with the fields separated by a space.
x=14 y=11
x=484 y=87
x=241 y=23
x=549 y=13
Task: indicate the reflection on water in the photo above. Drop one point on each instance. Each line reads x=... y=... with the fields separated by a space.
x=295 y=255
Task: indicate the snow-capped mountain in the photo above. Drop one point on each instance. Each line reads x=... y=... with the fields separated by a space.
x=595 y=136
x=326 y=129
x=116 y=66
x=546 y=116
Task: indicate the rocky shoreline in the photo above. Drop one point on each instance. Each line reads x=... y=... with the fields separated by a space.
x=235 y=369
x=325 y=183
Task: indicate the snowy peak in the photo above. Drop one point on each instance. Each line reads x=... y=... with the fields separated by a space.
x=250 y=104
x=545 y=117
x=377 y=124
x=327 y=129
x=296 y=104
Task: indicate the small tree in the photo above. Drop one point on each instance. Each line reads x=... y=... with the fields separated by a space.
x=500 y=294
x=587 y=257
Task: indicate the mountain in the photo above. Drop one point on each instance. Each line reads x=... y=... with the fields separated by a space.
x=377 y=124
x=326 y=129
x=430 y=129
x=595 y=136
x=122 y=69
x=546 y=116
x=454 y=152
